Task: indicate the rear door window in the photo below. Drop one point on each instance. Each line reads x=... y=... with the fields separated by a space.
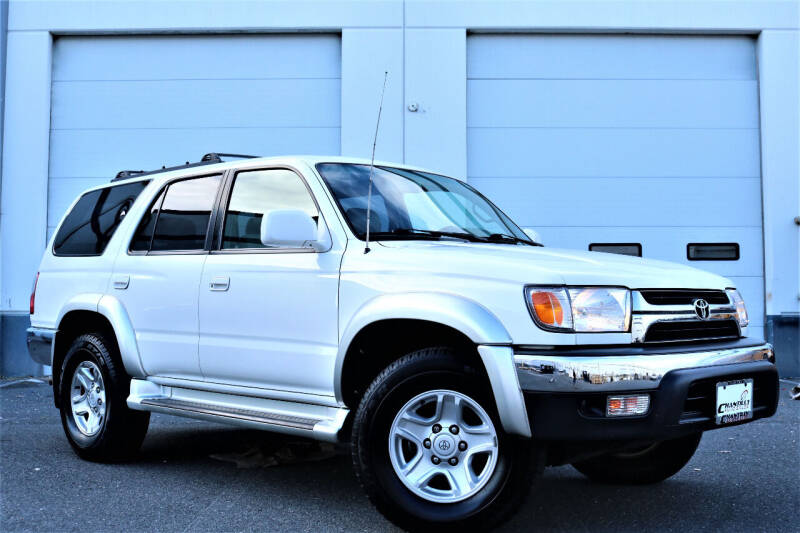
x=144 y=235
x=178 y=219
x=88 y=228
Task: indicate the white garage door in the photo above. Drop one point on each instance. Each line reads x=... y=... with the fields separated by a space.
x=623 y=139
x=141 y=102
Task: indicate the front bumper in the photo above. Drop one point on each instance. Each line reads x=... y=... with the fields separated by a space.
x=565 y=391
x=40 y=345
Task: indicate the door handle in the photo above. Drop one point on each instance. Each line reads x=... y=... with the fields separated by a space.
x=121 y=282
x=220 y=283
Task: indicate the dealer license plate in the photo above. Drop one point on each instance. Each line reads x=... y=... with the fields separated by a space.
x=734 y=401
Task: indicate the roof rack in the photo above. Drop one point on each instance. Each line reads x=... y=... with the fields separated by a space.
x=216 y=157
x=207 y=159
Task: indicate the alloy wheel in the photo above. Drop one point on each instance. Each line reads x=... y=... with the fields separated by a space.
x=443 y=446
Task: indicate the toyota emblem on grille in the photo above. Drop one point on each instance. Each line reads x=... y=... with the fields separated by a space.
x=701 y=309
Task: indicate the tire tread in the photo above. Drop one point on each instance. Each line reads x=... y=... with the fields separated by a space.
x=124 y=428
x=498 y=511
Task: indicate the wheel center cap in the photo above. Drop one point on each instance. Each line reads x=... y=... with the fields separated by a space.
x=444 y=445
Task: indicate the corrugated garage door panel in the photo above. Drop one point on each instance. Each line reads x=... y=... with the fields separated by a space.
x=612 y=138
x=187 y=57
x=615 y=152
x=656 y=57
x=144 y=101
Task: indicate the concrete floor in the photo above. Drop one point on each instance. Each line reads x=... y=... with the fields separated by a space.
x=745 y=478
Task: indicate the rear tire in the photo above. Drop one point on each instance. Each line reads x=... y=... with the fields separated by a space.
x=93 y=391
x=436 y=375
x=655 y=463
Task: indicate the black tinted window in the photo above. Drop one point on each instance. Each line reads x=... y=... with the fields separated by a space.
x=94 y=219
x=144 y=234
x=712 y=251
x=632 y=248
x=181 y=221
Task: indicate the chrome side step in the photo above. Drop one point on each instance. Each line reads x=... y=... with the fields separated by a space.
x=314 y=421
x=233 y=412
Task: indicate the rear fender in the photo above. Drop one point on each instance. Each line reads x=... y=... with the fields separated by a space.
x=113 y=310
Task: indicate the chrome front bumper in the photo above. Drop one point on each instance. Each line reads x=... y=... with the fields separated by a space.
x=561 y=372
x=40 y=345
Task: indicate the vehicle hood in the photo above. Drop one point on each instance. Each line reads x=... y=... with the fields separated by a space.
x=544 y=265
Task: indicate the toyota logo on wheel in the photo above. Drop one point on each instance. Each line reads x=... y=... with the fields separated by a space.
x=701 y=309
x=444 y=445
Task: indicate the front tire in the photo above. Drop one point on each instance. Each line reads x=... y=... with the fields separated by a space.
x=651 y=464
x=93 y=392
x=429 y=449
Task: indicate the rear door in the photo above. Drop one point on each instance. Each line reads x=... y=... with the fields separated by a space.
x=157 y=278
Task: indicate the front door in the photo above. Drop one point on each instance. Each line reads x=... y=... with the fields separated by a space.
x=268 y=314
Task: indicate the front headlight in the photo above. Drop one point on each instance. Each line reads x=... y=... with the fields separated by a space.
x=741 y=310
x=580 y=309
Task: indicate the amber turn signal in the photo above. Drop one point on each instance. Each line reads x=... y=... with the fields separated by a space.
x=550 y=308
x=547 y=308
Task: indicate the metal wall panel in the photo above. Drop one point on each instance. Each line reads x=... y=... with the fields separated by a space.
x=623 y=138
x=140 y=102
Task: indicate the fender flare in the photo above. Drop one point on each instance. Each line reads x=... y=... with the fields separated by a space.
x=467 y=316
x=80 y=302
x=113 y=310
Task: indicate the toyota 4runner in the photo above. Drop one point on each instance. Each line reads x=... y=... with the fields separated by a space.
x=456 y=354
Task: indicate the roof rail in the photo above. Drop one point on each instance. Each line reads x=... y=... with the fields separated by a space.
x=217 y=156
x=125 y=174
x=208 y=159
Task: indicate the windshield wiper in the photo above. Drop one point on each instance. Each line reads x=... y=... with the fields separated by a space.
x=455 y=234
x=414 y=233
x=511 y=239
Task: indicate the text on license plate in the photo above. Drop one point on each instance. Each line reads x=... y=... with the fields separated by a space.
x=734 y=401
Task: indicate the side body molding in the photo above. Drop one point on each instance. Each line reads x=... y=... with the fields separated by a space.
x=467 y=316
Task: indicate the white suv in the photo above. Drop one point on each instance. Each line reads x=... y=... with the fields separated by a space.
x=457 y=355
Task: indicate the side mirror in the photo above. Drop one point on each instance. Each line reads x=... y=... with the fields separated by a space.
x=533 y=235
x=293 y=228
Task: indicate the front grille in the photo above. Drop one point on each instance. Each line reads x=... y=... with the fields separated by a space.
x=692 y=330
x=682 y=296
x=701 y=399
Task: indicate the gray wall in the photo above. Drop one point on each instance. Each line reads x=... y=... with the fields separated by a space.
x=423 y=45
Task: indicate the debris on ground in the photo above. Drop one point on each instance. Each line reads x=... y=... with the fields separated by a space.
x=268 y=454
x=13 y=382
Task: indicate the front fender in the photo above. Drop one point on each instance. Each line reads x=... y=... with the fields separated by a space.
x=467 y=316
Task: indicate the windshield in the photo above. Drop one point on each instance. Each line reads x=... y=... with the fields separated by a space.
x=414 y=204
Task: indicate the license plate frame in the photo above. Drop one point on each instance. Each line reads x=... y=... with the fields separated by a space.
x=734 y=401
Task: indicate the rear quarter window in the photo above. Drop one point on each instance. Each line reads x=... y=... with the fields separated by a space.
x=91 y=223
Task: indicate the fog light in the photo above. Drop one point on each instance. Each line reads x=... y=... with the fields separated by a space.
x=635 y=404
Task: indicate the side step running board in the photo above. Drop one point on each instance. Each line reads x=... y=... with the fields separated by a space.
x=234 y=412
x=314 y=421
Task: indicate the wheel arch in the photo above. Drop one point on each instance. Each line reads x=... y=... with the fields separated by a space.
x=411 y=320
x=95 y=312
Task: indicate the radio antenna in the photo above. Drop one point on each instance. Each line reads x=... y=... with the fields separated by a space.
x=372 y=163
